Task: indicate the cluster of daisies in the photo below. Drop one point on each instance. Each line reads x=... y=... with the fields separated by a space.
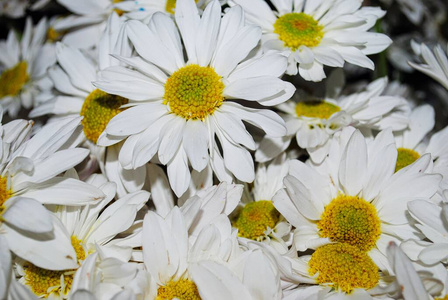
x=163 y=149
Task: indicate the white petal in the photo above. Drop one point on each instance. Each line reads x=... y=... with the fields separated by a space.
x=49 y=251
x=195 y=142
x=353 y=164
x=28 y=215
x=64 y=191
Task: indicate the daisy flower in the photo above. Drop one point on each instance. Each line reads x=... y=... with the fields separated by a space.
x=29 y=179
x=23 y=66
x=90 y=228
x=436 y=63
x=76 y=96
x=170 y=256
x=415 y=141
x=259 y=279
x=256 y=217
x=314 y=121
x=178 y=106
x=329 y=32
x=354 y=198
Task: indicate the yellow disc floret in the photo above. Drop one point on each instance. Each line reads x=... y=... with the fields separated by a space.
x=44 y=282
x=13 y=80
x=194 y=92
x=53 y=35
x=5 y=193
x=255 y=218
x=297 y=29
x=316 y=109
x=442 y=298
x=351 y=220
x=344 y=267
x=98 y=109
x=183 y=289
x=405 y=158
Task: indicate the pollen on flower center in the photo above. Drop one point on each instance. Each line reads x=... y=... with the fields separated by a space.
x=316 y=109
x=351 y=220
x=118 y=11
x=343 y=266
x=255 y=218
x=44 y=282
x=194 y=92
x=297 y=29
x=183 y=289
x=405 y=158
x=5 y=192
x=13 y=80
x=98 y=109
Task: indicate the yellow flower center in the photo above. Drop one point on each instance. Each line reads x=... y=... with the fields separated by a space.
x=316 y=109
x=46 y=282
x=443 y=298
x=5 y=193
x=171 y=5
x=297 y=29
x=13 y=80
x=53 y=35
x=118 y=11
x=98 y=109
x=183 y=289
x=255 y=218
x=194 y=92
x=343 y=266
x=351 y=220
x=405 y=158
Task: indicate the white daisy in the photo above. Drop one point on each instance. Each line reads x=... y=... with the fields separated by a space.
x=29 y=179
x=177 y=109
x=256 y=217
x=354 y=196
x=314 y=121
x=23 y=66
x=436 y=63
x=318 y=33
x=258 y=279
x=415 y=141
x=90 y=228
x=170 y=255
x=76 y=96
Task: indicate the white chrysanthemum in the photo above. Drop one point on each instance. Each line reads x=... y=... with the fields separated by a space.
x=23 y=66
x=170 y=252
x=256 y=217
x=346 y=273
x=318 y=33
x=90 y=228
x=178 y=106
x=436 y=63
x=414 y=141
x=313 y=122
x=75 y=95
x=28 y=180
x=354 y=196
x=257 y=279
